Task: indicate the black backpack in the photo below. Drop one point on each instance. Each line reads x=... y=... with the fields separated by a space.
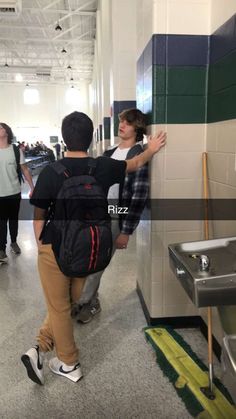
x=81 y=225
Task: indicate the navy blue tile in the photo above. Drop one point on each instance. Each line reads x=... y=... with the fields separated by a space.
x=187 y=50
x=106 y=121
x=223 y=40
x=119 y=106
x=159 y=49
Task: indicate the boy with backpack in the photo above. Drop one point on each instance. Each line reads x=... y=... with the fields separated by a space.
x=133 y=193
x=56 y=194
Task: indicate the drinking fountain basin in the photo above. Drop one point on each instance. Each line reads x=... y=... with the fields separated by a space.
x=207 y=270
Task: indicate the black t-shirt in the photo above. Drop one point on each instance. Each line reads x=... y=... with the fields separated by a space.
x=108 y=171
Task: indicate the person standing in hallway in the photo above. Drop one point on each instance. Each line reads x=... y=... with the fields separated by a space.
x=133 y=193
x=62 y=150
x=57 y=329
x=57 y=147
x=10 y=189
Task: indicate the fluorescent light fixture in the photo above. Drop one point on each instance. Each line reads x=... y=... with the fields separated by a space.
x=72 y=96
x=18 y=77
x=31 y=96
x=58 y=27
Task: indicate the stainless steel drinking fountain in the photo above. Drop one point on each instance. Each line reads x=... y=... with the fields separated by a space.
x=206 y=269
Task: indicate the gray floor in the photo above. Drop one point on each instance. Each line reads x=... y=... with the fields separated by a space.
x=121 y=377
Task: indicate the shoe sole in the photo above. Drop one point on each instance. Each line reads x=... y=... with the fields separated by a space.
x=30 y=371
x=85 y=321
x=66 y=376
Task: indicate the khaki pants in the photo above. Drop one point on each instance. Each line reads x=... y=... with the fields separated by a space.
x=59 y=290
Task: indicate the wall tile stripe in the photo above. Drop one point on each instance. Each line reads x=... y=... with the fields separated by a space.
x=189 y=78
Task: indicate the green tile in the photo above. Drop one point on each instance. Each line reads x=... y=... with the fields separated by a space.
x=221 y=105
x=186 y=109
x=186 y=81
x=223 y=74
x=159 y=80
x=159 y=109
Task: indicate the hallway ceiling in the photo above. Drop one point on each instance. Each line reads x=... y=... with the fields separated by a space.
x=31 y=46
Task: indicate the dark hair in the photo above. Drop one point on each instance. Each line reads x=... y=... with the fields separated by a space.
x=136 y=118
x=8 y=132
x=77 y=131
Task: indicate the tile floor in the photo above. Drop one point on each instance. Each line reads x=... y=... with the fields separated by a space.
x=121 y=377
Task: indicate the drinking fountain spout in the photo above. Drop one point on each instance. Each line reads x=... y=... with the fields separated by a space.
x=204 y=262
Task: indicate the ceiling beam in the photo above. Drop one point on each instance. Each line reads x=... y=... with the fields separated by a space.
x=50 y=5
x=46 y=40
x=60 y=11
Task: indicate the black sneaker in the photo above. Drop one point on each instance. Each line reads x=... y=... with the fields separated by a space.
x=33 y=363
x=15 y=248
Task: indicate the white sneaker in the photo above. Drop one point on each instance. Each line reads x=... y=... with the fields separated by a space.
x=73 y=372
x=33 y=362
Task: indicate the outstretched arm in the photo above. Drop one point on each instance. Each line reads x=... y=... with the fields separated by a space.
x=155 y=143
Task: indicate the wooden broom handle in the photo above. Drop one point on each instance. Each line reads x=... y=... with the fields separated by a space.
x=205 y=194
x=206 y=236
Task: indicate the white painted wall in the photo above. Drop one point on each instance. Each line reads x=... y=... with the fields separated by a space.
x=40 y=120
x=189 y=17
x=221 y=11
x=144 y=24
x=124 y=49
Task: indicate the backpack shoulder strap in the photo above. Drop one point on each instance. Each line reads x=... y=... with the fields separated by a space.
x=92 y=164
x=134 y=151
x=17 y=153
x=108 y=153
x=60 y=169
x=17 y=157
